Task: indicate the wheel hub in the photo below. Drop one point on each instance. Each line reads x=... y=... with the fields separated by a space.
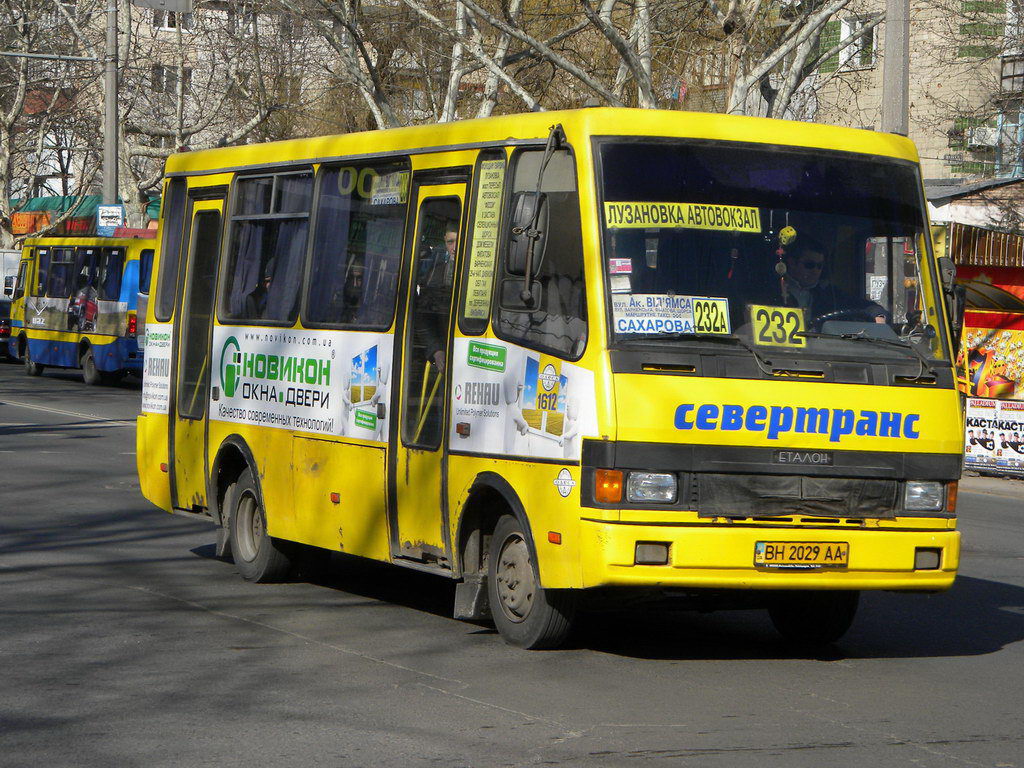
x=249 y=526
x=515 y=579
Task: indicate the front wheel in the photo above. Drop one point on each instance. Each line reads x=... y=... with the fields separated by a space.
x=259 y=557
x=526 y=614
x=814 y=619
x=31 y=368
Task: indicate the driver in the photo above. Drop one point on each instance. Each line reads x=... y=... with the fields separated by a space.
x=805 y=287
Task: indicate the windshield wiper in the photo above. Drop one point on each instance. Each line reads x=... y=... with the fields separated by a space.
x=861 y=336
x=764 y=364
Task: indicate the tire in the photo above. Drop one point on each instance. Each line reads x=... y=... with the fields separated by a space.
x=525 y=614
x=31 y=368
x=259 y=557
x=91 y=375
x=814 y=619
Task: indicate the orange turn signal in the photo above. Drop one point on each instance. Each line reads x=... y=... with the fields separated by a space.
x=951 y=491
x=554 y=537
x=608 y=486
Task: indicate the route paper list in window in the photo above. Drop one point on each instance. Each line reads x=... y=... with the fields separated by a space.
x=485 y=239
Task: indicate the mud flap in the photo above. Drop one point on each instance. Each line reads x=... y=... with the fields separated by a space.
x=471 y=602
x=223 y=544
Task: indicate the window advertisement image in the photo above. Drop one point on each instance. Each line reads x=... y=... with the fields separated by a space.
x=511 y=401
x=312 y=381
x=81 y=292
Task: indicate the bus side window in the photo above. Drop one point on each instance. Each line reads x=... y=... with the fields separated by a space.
x=60 y=278
x=145 y=269
x=268 y=248
x=556 y=320
x=42 y=272
x=110 y=275
x=173 y=226
x=357 y=247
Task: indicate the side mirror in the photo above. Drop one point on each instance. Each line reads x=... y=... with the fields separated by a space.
x=528 y=234
x=956 y=297
x=8 y=286
x=510 y=296
x=947 y=273
x=956 y=304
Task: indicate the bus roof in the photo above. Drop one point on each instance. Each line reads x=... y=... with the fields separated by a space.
x=533 y=127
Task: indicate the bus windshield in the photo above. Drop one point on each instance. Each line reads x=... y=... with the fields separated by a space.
x=806 y=252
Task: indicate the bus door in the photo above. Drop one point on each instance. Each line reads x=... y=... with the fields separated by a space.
x=418 y=478
x=192 y=353
x=21 y=285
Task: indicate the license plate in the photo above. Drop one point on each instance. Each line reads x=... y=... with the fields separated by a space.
x=802 y=554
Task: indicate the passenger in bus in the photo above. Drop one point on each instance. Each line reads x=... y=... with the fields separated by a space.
x=804 y=285
x=351 y=298
x=437 y=274
x=256 y=302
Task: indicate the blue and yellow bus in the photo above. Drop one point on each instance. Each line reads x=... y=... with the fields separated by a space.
x=74 y=305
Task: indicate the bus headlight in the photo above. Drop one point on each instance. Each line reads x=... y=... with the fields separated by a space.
x=921 y=496
x=657 y=487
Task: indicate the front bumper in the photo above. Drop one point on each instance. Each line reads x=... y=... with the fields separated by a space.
x=722 y=557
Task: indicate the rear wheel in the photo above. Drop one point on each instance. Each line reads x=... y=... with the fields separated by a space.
x=524 y=613
x=814 y=619
x=31 y=368
x=259 y=557
x=90 y=373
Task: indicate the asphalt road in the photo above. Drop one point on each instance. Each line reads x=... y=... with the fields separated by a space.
x=123 y=641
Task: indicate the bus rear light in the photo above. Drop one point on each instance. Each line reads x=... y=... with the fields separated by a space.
x=133 y=324
x=608 y=486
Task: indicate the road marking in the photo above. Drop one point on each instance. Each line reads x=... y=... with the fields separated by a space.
x=76 y=414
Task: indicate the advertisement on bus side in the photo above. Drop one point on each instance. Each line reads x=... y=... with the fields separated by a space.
x=511 y=401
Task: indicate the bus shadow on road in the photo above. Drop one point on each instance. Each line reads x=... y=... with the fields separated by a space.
x=975 y=617
x=372 y=580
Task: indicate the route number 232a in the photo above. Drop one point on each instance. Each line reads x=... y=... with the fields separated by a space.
x=778 y=326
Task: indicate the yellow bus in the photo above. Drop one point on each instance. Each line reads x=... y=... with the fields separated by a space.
x=563 y=355
x=75 y=303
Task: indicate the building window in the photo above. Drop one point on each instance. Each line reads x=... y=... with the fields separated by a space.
x=164 y=78
x=1012 y=74
x=171 y=20
x=859 y=54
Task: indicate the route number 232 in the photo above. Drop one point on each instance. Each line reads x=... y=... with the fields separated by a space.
x=778 y=326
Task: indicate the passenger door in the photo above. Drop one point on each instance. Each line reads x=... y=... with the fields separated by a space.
x=18 y=303
x=191 y=352
x=418 y=508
